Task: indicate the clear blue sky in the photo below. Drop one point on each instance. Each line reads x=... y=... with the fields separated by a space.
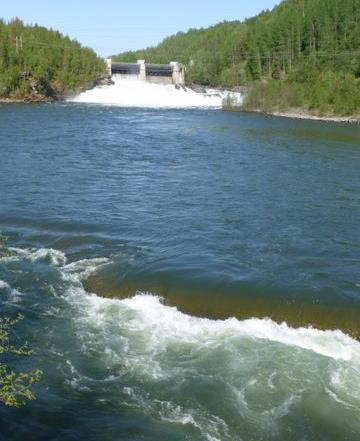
x=113 y=26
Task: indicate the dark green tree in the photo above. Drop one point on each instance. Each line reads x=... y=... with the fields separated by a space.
x=33 y=54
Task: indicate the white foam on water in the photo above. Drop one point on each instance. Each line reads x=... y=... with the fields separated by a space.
x=81 y=269
x=4 y=285
x=134 y=93
x=153 y=346
x=13 y=295
x=165 y=322
x=170 y=321
x=54 y=257
x=140 y=335
x=211 y=427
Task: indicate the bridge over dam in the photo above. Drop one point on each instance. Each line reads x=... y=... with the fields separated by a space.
x=172 y=73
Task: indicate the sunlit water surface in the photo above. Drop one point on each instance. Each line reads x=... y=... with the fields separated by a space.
x=229 y=218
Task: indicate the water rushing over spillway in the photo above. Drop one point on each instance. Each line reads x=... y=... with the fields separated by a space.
x=134 y=93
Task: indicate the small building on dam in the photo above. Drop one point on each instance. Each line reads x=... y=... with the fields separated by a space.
x=172 y=73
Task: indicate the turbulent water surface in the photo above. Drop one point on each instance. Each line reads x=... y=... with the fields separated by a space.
x=169 y=264
x=135 y=93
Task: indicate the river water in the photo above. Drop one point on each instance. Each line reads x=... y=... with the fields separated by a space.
x=169 y=264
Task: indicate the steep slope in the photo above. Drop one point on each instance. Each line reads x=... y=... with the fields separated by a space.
x=37 y=63
x=209 y=54
x=303 y=53
x=306 y=53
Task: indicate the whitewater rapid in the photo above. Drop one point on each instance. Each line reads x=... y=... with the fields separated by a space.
x=155 y=315
x=134 y=93
x=210 y=379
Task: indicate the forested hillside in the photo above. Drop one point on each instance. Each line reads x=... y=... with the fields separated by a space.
x=303 y=53
x=212 y=56
x=36 y=63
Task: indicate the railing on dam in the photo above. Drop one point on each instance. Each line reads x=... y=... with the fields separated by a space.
x=172 y=73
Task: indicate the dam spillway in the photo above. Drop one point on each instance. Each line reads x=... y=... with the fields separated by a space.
x=125 y=69
x=166 y=74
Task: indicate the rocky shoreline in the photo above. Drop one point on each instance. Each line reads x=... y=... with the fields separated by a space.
x=42 y=92
x=297 y=114
x=303 y=114
x=26 y=100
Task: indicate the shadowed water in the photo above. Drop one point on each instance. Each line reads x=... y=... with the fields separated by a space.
x=223 y=215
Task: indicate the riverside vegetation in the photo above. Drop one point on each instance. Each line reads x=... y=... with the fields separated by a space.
x=15 y=387
x=38 y=64
x=302 y=54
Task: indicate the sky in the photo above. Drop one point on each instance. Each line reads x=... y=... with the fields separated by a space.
x=113 y=26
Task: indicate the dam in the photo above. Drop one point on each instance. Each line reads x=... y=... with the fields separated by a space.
x=166 y=74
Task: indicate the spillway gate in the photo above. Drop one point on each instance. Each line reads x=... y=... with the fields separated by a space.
x=172 y=73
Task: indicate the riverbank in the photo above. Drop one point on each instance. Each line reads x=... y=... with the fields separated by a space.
x=297 y=113
x=26 y=100
x=43 y=92
x=231 y=103
x=128 y=93
x=303 y=114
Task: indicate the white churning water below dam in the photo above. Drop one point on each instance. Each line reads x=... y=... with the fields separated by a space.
x=135 y=93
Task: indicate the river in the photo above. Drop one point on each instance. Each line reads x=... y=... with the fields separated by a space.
x=185 y=274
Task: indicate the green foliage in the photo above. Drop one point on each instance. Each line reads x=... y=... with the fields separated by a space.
x=313 y=48
x=329 y=94
x=50 y=58
x=15 y=388
x=212 y=56
x=274 y=95
x=303 y=53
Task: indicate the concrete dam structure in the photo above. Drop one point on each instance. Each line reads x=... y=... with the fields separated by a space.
x=172 y=73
